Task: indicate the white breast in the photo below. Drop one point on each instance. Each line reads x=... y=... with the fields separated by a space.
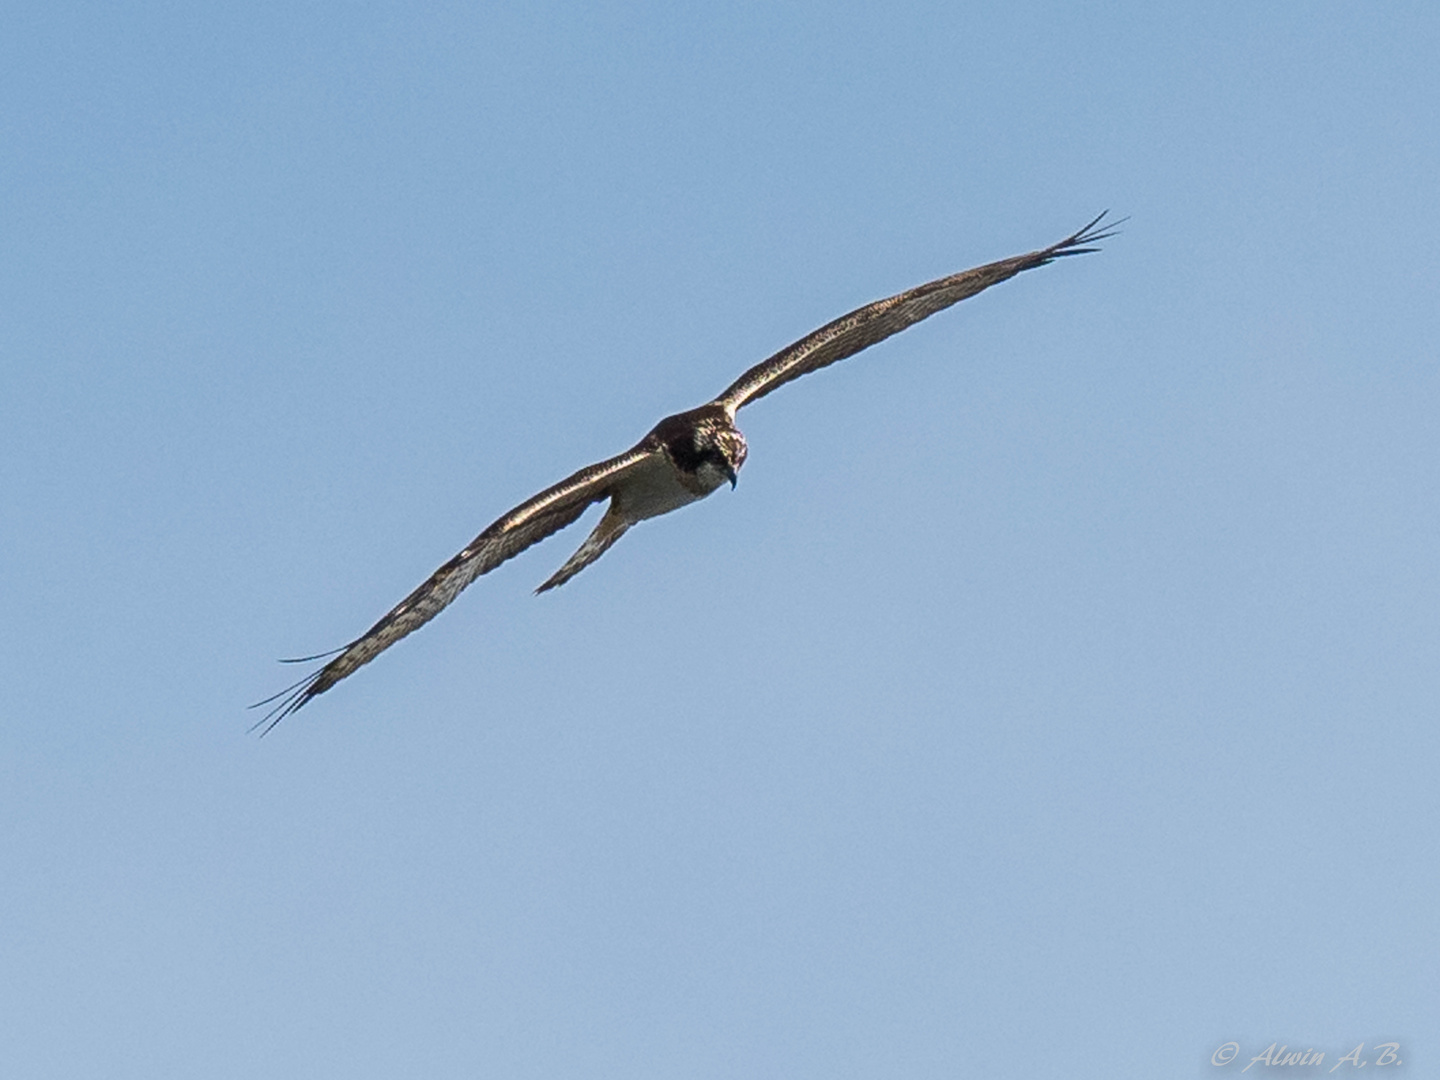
x=656 y=487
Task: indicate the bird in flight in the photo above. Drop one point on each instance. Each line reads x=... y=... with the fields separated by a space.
x=684 y=458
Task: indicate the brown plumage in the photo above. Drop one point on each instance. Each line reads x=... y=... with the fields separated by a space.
x=684 y=458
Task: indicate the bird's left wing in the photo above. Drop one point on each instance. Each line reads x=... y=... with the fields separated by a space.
x=529 y=523
x=873 y=323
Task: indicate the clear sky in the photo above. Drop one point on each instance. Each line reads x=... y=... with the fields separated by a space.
x=1056 y=696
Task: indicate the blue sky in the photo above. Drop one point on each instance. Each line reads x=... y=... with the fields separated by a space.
x=1056 y=695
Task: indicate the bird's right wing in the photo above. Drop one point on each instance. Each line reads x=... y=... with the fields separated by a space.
x=529 y=523
x=873 y=323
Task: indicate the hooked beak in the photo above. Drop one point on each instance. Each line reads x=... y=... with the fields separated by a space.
x=730 y=473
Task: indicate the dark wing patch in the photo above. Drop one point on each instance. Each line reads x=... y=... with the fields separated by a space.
x=875 y=322
x=529 y=523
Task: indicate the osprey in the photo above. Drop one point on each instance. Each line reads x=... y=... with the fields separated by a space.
x=684 y=458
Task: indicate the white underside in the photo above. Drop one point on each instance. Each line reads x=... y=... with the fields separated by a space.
x=655 y=488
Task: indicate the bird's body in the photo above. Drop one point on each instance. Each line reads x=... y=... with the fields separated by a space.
x=682 y=472
x=656 y=486
x=683 y=459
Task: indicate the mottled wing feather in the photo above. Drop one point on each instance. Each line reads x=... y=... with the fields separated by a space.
x=875 y=322
x=529 y=523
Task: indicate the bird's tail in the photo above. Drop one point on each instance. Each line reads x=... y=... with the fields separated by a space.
x=612 y=526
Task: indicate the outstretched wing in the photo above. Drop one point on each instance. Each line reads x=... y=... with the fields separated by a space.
x=875 y=322
x=529 y=523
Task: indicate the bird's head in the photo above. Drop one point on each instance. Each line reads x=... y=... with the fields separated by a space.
x=704 y=444
x=722 y=449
